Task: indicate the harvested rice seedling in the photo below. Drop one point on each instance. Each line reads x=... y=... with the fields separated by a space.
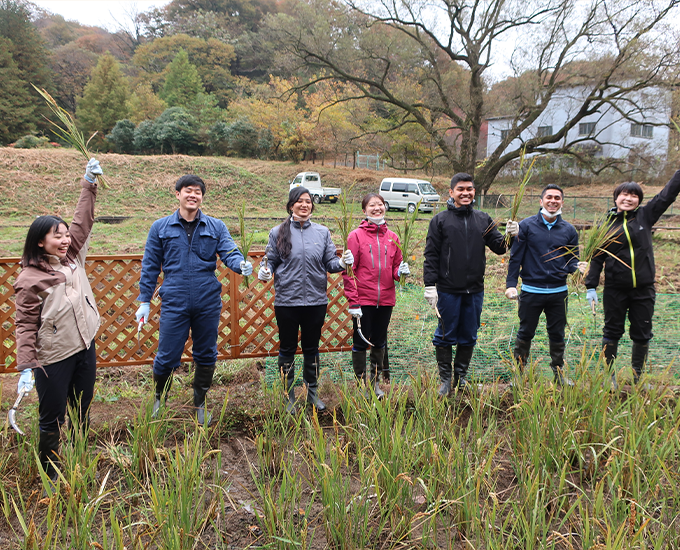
x=69 y=131
x=594 y=241
x=519 y=195
x=246 y=237
x=345 y=220
x=405 y=233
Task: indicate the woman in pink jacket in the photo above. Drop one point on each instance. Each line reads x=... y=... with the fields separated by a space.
x=371 y=291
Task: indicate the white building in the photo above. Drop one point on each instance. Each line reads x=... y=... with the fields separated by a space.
x=607 y=133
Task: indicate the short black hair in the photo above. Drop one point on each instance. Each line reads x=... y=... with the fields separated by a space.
x=630 y=187
x=552 y=187
x=188 y=180
x=461 y=176
x=34 y=253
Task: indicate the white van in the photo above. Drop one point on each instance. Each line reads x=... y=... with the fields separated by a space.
x=406 y=193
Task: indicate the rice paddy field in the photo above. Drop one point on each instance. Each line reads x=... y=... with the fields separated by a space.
x=521 y=465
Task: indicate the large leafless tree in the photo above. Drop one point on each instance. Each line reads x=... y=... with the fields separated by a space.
x=429 y=61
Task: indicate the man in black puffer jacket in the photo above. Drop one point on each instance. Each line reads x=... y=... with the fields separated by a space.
x=629 y=271
x=455 y=262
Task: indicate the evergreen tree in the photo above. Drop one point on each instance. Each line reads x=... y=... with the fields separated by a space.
x=23 y=60
x=104 y=100
x=16 y=108
x=176 y=131
x=123 y=136
x=182 y=83
x=144 y=104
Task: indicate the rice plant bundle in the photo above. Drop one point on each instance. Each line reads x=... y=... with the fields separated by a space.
x=246 y=237
x=519 y=195
x=345 y=221
x=68 y=131
x=405 y=234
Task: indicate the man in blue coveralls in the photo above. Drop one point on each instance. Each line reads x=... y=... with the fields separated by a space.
x=185 y=245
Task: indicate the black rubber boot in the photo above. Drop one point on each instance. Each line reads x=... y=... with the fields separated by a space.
x=203 y=377
x=557 y=363
x=521 y=353
x=386 y=367
x=461 y=364
x=48 y=452
x=359 y=366
x=310 y=374
x=638 y=358
x=287 y=370
x=376 y=364
x=444 y=357
x=610 y=350
x=162 y=384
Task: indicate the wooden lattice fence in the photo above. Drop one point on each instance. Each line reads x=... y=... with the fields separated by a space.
x=247 y=327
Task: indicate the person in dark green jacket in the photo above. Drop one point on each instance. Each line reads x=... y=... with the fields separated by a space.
x=629 y=271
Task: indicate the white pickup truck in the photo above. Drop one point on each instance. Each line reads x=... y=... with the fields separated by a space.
x=312 y=181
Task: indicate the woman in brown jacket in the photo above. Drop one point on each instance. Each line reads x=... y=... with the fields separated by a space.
x=57 y=319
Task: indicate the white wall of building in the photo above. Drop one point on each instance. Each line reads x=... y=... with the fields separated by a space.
x=612 y=129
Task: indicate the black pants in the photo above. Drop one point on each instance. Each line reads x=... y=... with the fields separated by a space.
x=531 y=305
x=374 y=323
x=638 y=303
x=69 y=382
x=308 y=320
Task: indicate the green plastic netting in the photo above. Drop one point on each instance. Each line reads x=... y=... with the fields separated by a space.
x=413 y=324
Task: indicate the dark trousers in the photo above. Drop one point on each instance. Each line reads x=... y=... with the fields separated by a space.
x=531 y=306
x=308 y=320
x=69 y=382
x=638 y=303
x=461 y=318
x=177 y=319
x=374 y=323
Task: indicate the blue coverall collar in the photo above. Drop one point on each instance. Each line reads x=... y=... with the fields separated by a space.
x=176 y=217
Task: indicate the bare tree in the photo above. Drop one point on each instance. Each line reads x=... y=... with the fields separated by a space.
x=429 y=61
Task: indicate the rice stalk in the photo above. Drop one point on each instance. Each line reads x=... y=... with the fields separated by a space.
x=69 y=131
x=519 y=195
x=246 y=236
x=345 y=222
x=405 y=234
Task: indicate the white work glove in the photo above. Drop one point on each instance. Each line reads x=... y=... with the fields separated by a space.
x=355 y=312
x=511 y=293
x=143 y=312
x=93 y=170
x=512 y=228
x=403 y=269
x=583 y=267
x=591 y=296
x=346 y=259
x=246 y=268
x=431 y=295
x=264 y=274
x=25 y=381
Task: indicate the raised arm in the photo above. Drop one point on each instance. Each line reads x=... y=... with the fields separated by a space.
x=660 y=203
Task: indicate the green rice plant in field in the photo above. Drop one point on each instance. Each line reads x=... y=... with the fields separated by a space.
x=147 y=437
x=181 y=503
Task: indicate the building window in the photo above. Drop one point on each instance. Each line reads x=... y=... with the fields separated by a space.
x=544 y=131
x=504 y=134
x=642 y=130
x=586 y=128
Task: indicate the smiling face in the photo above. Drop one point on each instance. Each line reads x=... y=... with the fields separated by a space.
x=626 y=202
x=302 y=209
x=552 y=201
x=190 y=199
x=463 y=193
x=57 y=241
x=375 y=208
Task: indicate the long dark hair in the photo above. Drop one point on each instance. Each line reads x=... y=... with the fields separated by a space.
x=283 y=244
x=33 y=253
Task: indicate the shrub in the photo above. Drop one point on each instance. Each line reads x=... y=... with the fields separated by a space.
x=123 y=136
x=32 y=142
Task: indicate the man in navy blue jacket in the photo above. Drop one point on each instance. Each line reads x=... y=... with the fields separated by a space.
x=543 y=254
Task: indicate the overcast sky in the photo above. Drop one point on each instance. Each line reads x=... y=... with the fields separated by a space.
x=97 y=12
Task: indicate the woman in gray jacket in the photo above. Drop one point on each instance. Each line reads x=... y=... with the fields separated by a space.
x=300 y=254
